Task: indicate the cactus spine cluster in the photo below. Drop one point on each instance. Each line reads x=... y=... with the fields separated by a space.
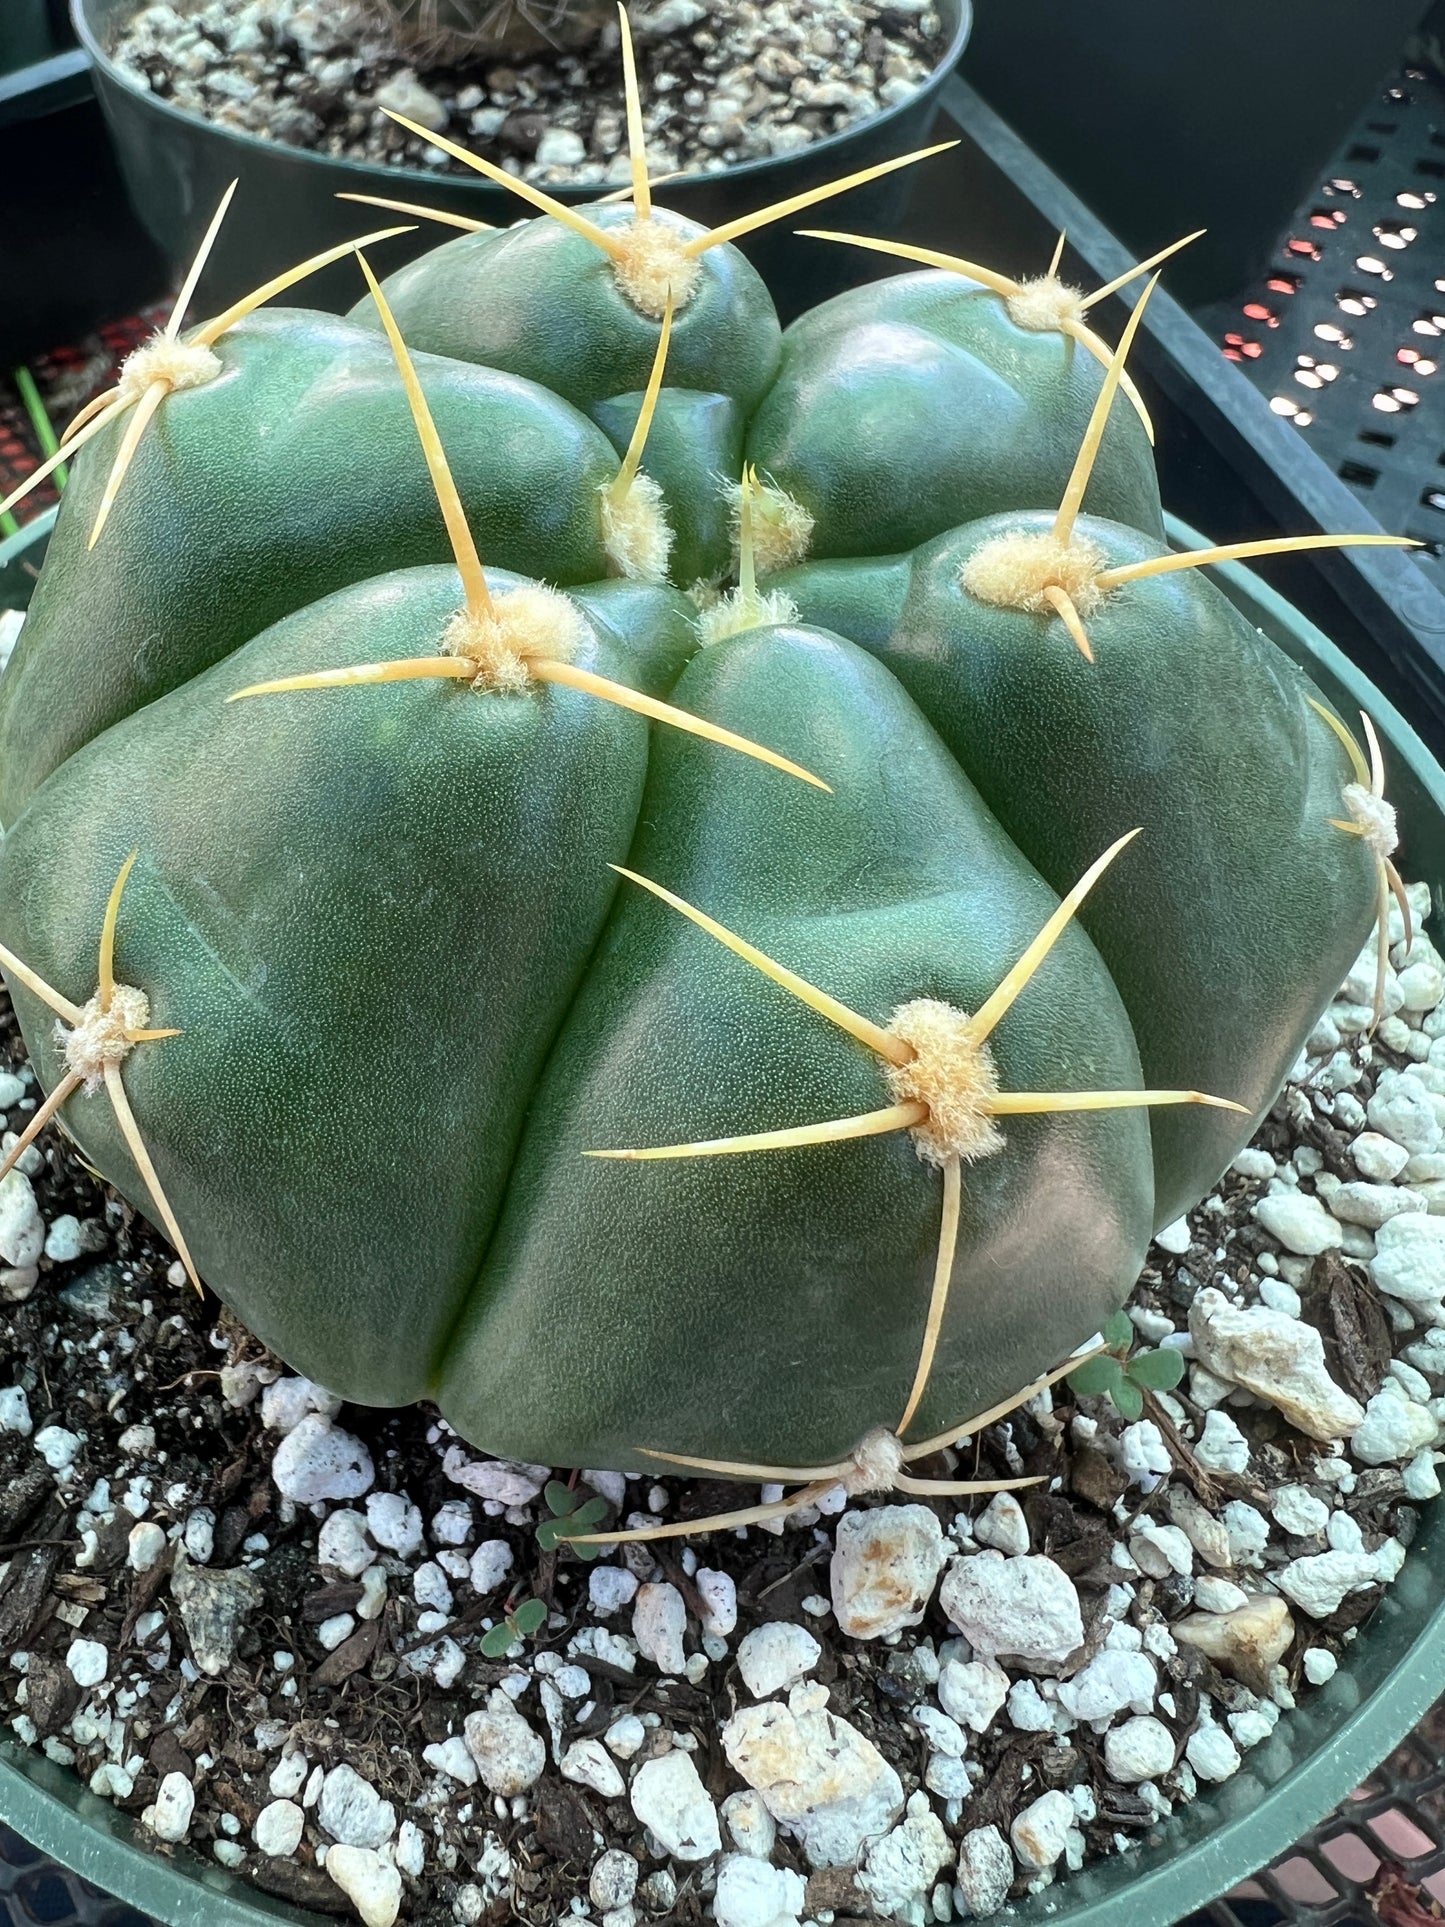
x=441 y=32
x=755 y=1029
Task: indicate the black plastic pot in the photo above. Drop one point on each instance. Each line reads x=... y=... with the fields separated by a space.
x=1195 y=113
x=177 y=164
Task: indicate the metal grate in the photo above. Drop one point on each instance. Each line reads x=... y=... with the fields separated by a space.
x=1346 y=333
x=34 y=1892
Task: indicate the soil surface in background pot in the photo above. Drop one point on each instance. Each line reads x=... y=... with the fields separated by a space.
x=272 y=1627
x=733 y=81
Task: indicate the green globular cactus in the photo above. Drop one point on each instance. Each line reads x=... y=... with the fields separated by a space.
x=445 y=31
x=757 y=1032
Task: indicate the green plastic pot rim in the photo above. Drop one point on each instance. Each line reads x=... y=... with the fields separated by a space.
x=1347 y=1726
x=400 y=177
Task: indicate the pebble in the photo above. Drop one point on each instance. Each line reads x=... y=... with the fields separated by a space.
x=1319 y=1665
x=1174 y=1238
x=985 y=1870
x=1215 y=1595
x=1222 y=1447
x=972 y=1693
x=1318 y=1584
x=489 y=1565
x=1378 y=1158
x=590 y=1764
x=613 y=1880
x=12 y=1089
x=1159 y=1550
x=752 y=1827
x=1296 y=1510
x=750 y=1893
x=885 y=1565
x=1421 y=1479
x=1212 y=1753
x=668 y=1798
x=1028 y=1710
x=278 y=1829
x=15 y=1411
x=404 y=94
x=1026 y=1607
x=659 y=1620
x=87 y=1662
x=394 y=1523
x=1394 y=1427
x=506 y=1481
x=452 y=1756
x=1371 y=1205
x=1278 y=1358
x=371 y=1884
x=1140 y=1749
x=288 y=1776
x=610 y=1588
x=317 y=1460
x=625 y=1736
x=352 y=1811
x=22 y=1229
x=63 y=1242
x=1299 y=1221
x=1041 y=1831
x=509 y=1755
x=1246 y=1643
x=1110 y=1682
x=1400 y=1109
x=1409 y=1264
x=343 y=1543
x=775 y=1656
x=819 y=1776
x=170 y=1817
x=1002 y=1525
x=214 y=1605
x=1205 y=1533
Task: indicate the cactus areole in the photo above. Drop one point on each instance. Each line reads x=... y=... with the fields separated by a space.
x=692 y=894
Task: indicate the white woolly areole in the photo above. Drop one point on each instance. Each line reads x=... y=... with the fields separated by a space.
x=952 y=1074
x=531 y=624
x=1375 y=817
x=635 y=530
x=650 y=260
x=782 y=529
x=179 y=364
x=877 y=1459
x=100 y=1036
x=1045 y=304
x=735 y=612
x=1013 y=571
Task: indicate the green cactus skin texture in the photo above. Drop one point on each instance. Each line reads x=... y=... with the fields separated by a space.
x=295 y=472
x=953 y=412
x=412 y=997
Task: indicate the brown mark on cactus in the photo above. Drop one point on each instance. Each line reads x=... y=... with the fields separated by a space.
x=651 y=259
x=165 y=364
x=636 y=532
x=940 y=1072
x=96 y=1038
x=1043 y=305
x=747 y=606
x=1373 y=819
x=506 y=643
x=1065 y=572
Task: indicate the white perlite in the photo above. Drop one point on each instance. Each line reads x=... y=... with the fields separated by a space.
x=901 y=1868
x=1395 y=1427
x=1002 y=1525
x=1297 y=1510
x=775 y=1656
x=278 y=1829
x=1409 y=1264
x=170 y=1817
x=1222 y=1446
x=371 y=1884
x=750 y=1893
x=590 y=1764
x=509 y=1755
x=22 y=1229
x=1026 y=1607
x=985 y=1870
x=352 y=1811
x=1212 y=1753
x=885 y=1565
x=719 y=1596
x=87 y=1662
x=343 y=1543
x=1300 y=1222
x=672 y=1802
x=1041 y=1832
x=15 y=1411
x=1401 y=1111
x=395 y=1523
x=1110 y=1682
x=972 y=1694
x=1140 y=1749
x=820 y=1778
x=1318 y=1584
x=317 y=1460
x=613 y=1880
x=1278 y=1358
x=659 y=1620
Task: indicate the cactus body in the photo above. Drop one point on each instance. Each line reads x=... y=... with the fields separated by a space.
x=412 y=995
